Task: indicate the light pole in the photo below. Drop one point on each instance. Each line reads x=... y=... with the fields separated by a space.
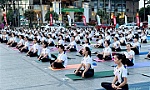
x=60 y=13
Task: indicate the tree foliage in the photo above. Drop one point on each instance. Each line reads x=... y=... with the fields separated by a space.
x=104 y=15
x=47 y=15
x=147 y=12
x=29 y=14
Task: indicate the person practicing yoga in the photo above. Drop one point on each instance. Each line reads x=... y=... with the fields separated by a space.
x=120 y=80
x=73 y=45
x=106 y=54
x=130 y=56
x=33 y=52
x=100 y=42
x=45 y=55
x=116 y=44
x=86 y=63
x=136 y=46
x=25 y=48
x=61 y=61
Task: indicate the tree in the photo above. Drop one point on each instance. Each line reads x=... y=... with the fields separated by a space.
x=147 y=12
x=47 y=15
x=104 y=15
x=29 y=14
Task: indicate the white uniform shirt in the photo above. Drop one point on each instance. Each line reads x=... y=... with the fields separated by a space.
x=116 y=44
x=61 y=42
x=107 y=50
x=101 y=41
x=120 y=73
x=87 y=60
x=35 y=47
x=130 y=53
x=46 y=51
x=27 y=44
x=73 y=43
x=21 y=42
x=63 y=57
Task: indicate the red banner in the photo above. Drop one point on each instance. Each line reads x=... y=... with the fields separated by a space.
x=137 y=20
x=114 y=18
x=5 y=18
x=51 y=20
x=84 y=20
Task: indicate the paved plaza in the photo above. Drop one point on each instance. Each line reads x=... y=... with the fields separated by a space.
x=19 y=72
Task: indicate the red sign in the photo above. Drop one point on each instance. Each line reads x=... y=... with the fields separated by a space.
x=114 y=18
x=51 y=20
x=5 y=18
x=137 y=20
x=84 y=20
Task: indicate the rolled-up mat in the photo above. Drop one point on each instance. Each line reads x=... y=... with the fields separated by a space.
x=146 y=74
x=96 y=75
x=140 y=65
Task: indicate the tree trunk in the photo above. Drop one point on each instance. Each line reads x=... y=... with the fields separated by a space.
x=41 y=11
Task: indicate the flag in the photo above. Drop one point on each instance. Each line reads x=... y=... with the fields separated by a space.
x=149 y=21
x=114 y=18
x=84 y=20
x=69 y=20
x=51 y=20
x=5 y=18
x=126 y=20
x=137 y=20
x=98 y=20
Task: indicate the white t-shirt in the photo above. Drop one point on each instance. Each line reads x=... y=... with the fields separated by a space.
x=108 y=37
x=14 y=39
x=87 y=60
x=136 y=44
x=130 y=53
x=107 y=50
x=63 y=57
x=50 y=40
x=86 y=45
x=61 y=42
x=46 y=51
x=77 y=38
x=27 y=44
x=43 y=39
x=122 y=39
x=101 y=41
x=73 y=43
x=21 y=41
x=120 y=73
x=116 y=44
x=35 y=47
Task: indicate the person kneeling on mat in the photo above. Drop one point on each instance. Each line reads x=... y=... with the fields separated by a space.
x=120 y=80
x=34 y=49
x=45 y=54
x=61 y=61
x=106 y=54
x=86 y=63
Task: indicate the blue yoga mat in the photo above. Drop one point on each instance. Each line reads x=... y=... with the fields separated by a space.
x=148 y=37
x=140 y=65
x=143 y=53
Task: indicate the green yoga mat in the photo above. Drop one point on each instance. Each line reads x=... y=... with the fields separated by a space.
x=96 y=75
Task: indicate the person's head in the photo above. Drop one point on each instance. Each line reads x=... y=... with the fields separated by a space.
x=13 y=35
x=45 y=44
x=106 y=43
x=116 y=39
x=61 y=48
x=35 y=40
x=21 y=37
x=100 y=37
x=135 y=39
x=87 y=40
x=60 y=37
x=128 y=46
x=72 y=38
x=119 y=59
x=26 y=38
x=87 y=51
